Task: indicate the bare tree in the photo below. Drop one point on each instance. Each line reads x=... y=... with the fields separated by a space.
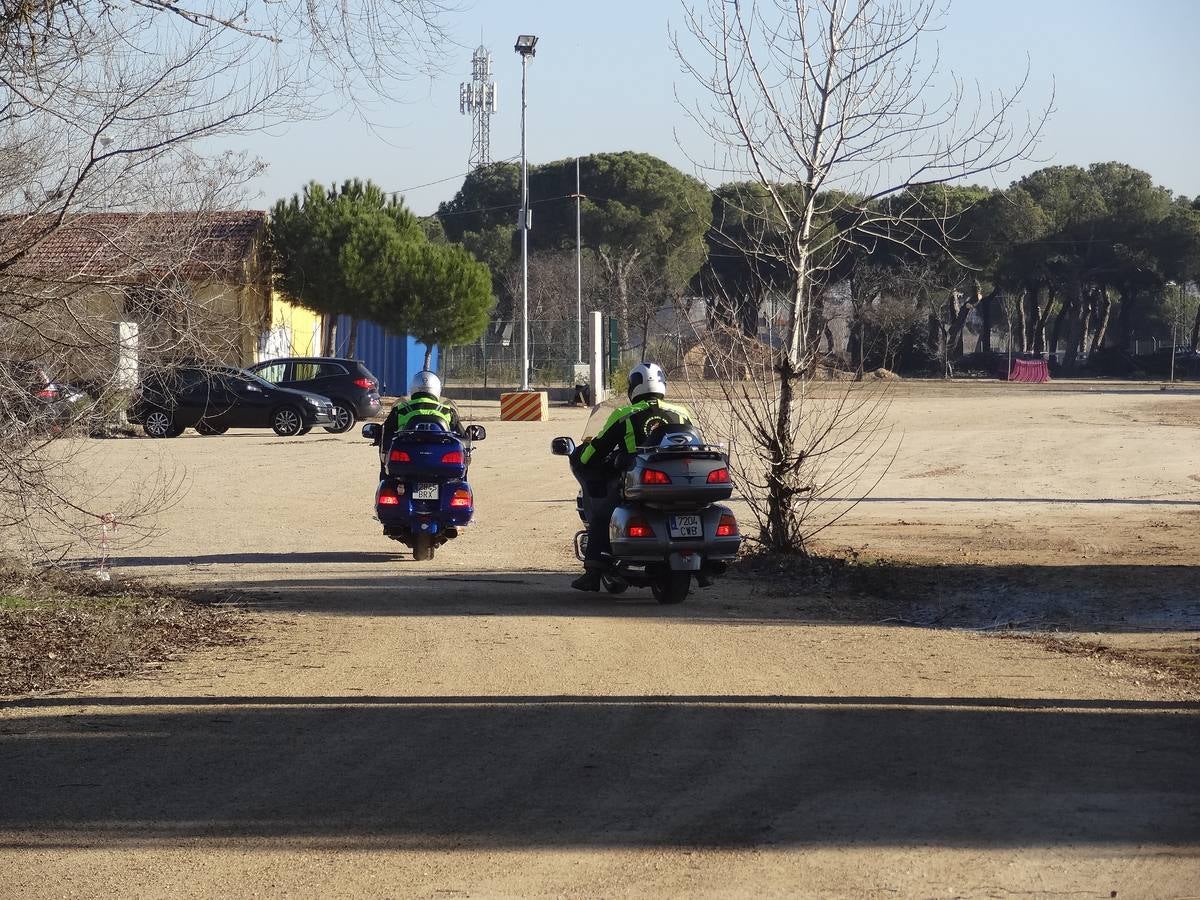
x=829 y=105
x=116 y=108
x=552 y=312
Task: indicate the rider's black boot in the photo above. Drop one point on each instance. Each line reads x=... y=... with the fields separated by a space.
x=588 y=581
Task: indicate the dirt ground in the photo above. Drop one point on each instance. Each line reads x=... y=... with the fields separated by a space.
x=472 y=727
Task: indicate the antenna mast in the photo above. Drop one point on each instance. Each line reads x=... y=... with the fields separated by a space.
x=477 y=99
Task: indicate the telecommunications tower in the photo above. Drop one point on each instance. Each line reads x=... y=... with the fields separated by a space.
x=477 y=99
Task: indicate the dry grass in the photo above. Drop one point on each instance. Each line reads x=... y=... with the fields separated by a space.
x=57 y=629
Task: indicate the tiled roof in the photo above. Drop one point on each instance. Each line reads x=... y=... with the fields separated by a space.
x=132 y=247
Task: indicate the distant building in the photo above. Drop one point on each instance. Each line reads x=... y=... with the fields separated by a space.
x=294 y=330
x=194 y=283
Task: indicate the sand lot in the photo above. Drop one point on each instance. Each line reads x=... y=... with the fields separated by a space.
x=472 y=727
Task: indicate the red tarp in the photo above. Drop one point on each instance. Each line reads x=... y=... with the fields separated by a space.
x=1030 y=371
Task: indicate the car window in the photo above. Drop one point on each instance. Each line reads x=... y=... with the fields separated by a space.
x=305 y=371
x=310 y=371
x=273 y=373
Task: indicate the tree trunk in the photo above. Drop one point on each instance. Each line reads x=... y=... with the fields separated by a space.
x=1196 y=331
x=1125 y=317
x=1029 y=301
x=1085 y=328
x=781 y=532
x=856 y=348
x=352 y=339
x=428 y=357
x=1061 y=321
x=1104 y=314
x=1072 y=319
x=1041 y=318
x=985 y=315
x=328 y=334
x=962 y=312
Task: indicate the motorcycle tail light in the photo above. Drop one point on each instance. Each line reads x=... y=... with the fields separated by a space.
x=461 y=499
x=389 y=497
x=654 y=476
x=453 y=458
x=639 y=528
x=727 y=527
x=47 y=393
x=718 y=476
x=399 y=456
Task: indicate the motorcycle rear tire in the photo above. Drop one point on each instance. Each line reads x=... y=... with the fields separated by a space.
x=672 y=588
x=422 y=547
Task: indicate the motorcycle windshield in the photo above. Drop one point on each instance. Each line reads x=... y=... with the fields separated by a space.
x=599 y=416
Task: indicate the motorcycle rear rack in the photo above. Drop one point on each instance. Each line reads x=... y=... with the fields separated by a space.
x=664 y=454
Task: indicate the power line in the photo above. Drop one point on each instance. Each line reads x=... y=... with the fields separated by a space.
x=417 y=187
x=481 y=209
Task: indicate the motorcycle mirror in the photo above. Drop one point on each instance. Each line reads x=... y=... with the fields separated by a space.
x=562 y=446
x=476 y=433
x=372 y=432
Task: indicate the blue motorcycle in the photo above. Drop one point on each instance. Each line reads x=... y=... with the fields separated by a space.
x=424 y=498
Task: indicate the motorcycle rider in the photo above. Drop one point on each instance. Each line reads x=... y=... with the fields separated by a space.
x=599 y=474
x=423 y=406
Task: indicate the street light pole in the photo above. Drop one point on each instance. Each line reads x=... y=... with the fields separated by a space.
x=524 y=240
x=525 y=46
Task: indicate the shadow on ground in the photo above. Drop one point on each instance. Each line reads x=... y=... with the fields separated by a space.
x=505 y=772
x=1102 y=598
x=210 y=559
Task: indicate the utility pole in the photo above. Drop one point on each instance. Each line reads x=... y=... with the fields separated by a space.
x=578 y=268
x=525 y=46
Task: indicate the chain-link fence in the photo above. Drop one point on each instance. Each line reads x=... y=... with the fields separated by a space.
x=495 y=359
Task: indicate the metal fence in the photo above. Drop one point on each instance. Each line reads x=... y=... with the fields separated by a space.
x=495 y=359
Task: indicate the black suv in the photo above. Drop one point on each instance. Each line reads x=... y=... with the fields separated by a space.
x=214 y=399
x=347 y=382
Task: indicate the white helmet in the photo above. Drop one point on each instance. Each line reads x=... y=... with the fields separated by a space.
x=646 y=379
x=425 y=382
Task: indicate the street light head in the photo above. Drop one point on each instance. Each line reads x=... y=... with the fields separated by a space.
x=525 y=44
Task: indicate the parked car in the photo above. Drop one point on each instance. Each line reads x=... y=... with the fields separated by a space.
x=347 y=382
x=29 y=394
x=214 y=399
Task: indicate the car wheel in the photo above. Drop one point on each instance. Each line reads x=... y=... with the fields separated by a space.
x=343 y=418
x=207 y=429
x=158 y=424
x=305 y=430
x=286 y=421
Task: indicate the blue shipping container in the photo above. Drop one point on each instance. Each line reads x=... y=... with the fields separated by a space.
x=392 y=358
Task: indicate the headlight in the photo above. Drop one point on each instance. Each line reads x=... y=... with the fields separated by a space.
x=313 y=400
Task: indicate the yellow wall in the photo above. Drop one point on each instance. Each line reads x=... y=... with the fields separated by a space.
x=295 y=331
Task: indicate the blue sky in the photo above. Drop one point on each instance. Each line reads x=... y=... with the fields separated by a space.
x=1126 y=78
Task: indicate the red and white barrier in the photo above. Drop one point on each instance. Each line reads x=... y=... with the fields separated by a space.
x=1029 y=371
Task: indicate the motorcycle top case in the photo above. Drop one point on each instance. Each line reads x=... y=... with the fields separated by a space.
x=670 y=478
x=427 y=456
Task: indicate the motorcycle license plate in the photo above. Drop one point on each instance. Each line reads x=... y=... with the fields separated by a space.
x=686 y=527
x=425 y=492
